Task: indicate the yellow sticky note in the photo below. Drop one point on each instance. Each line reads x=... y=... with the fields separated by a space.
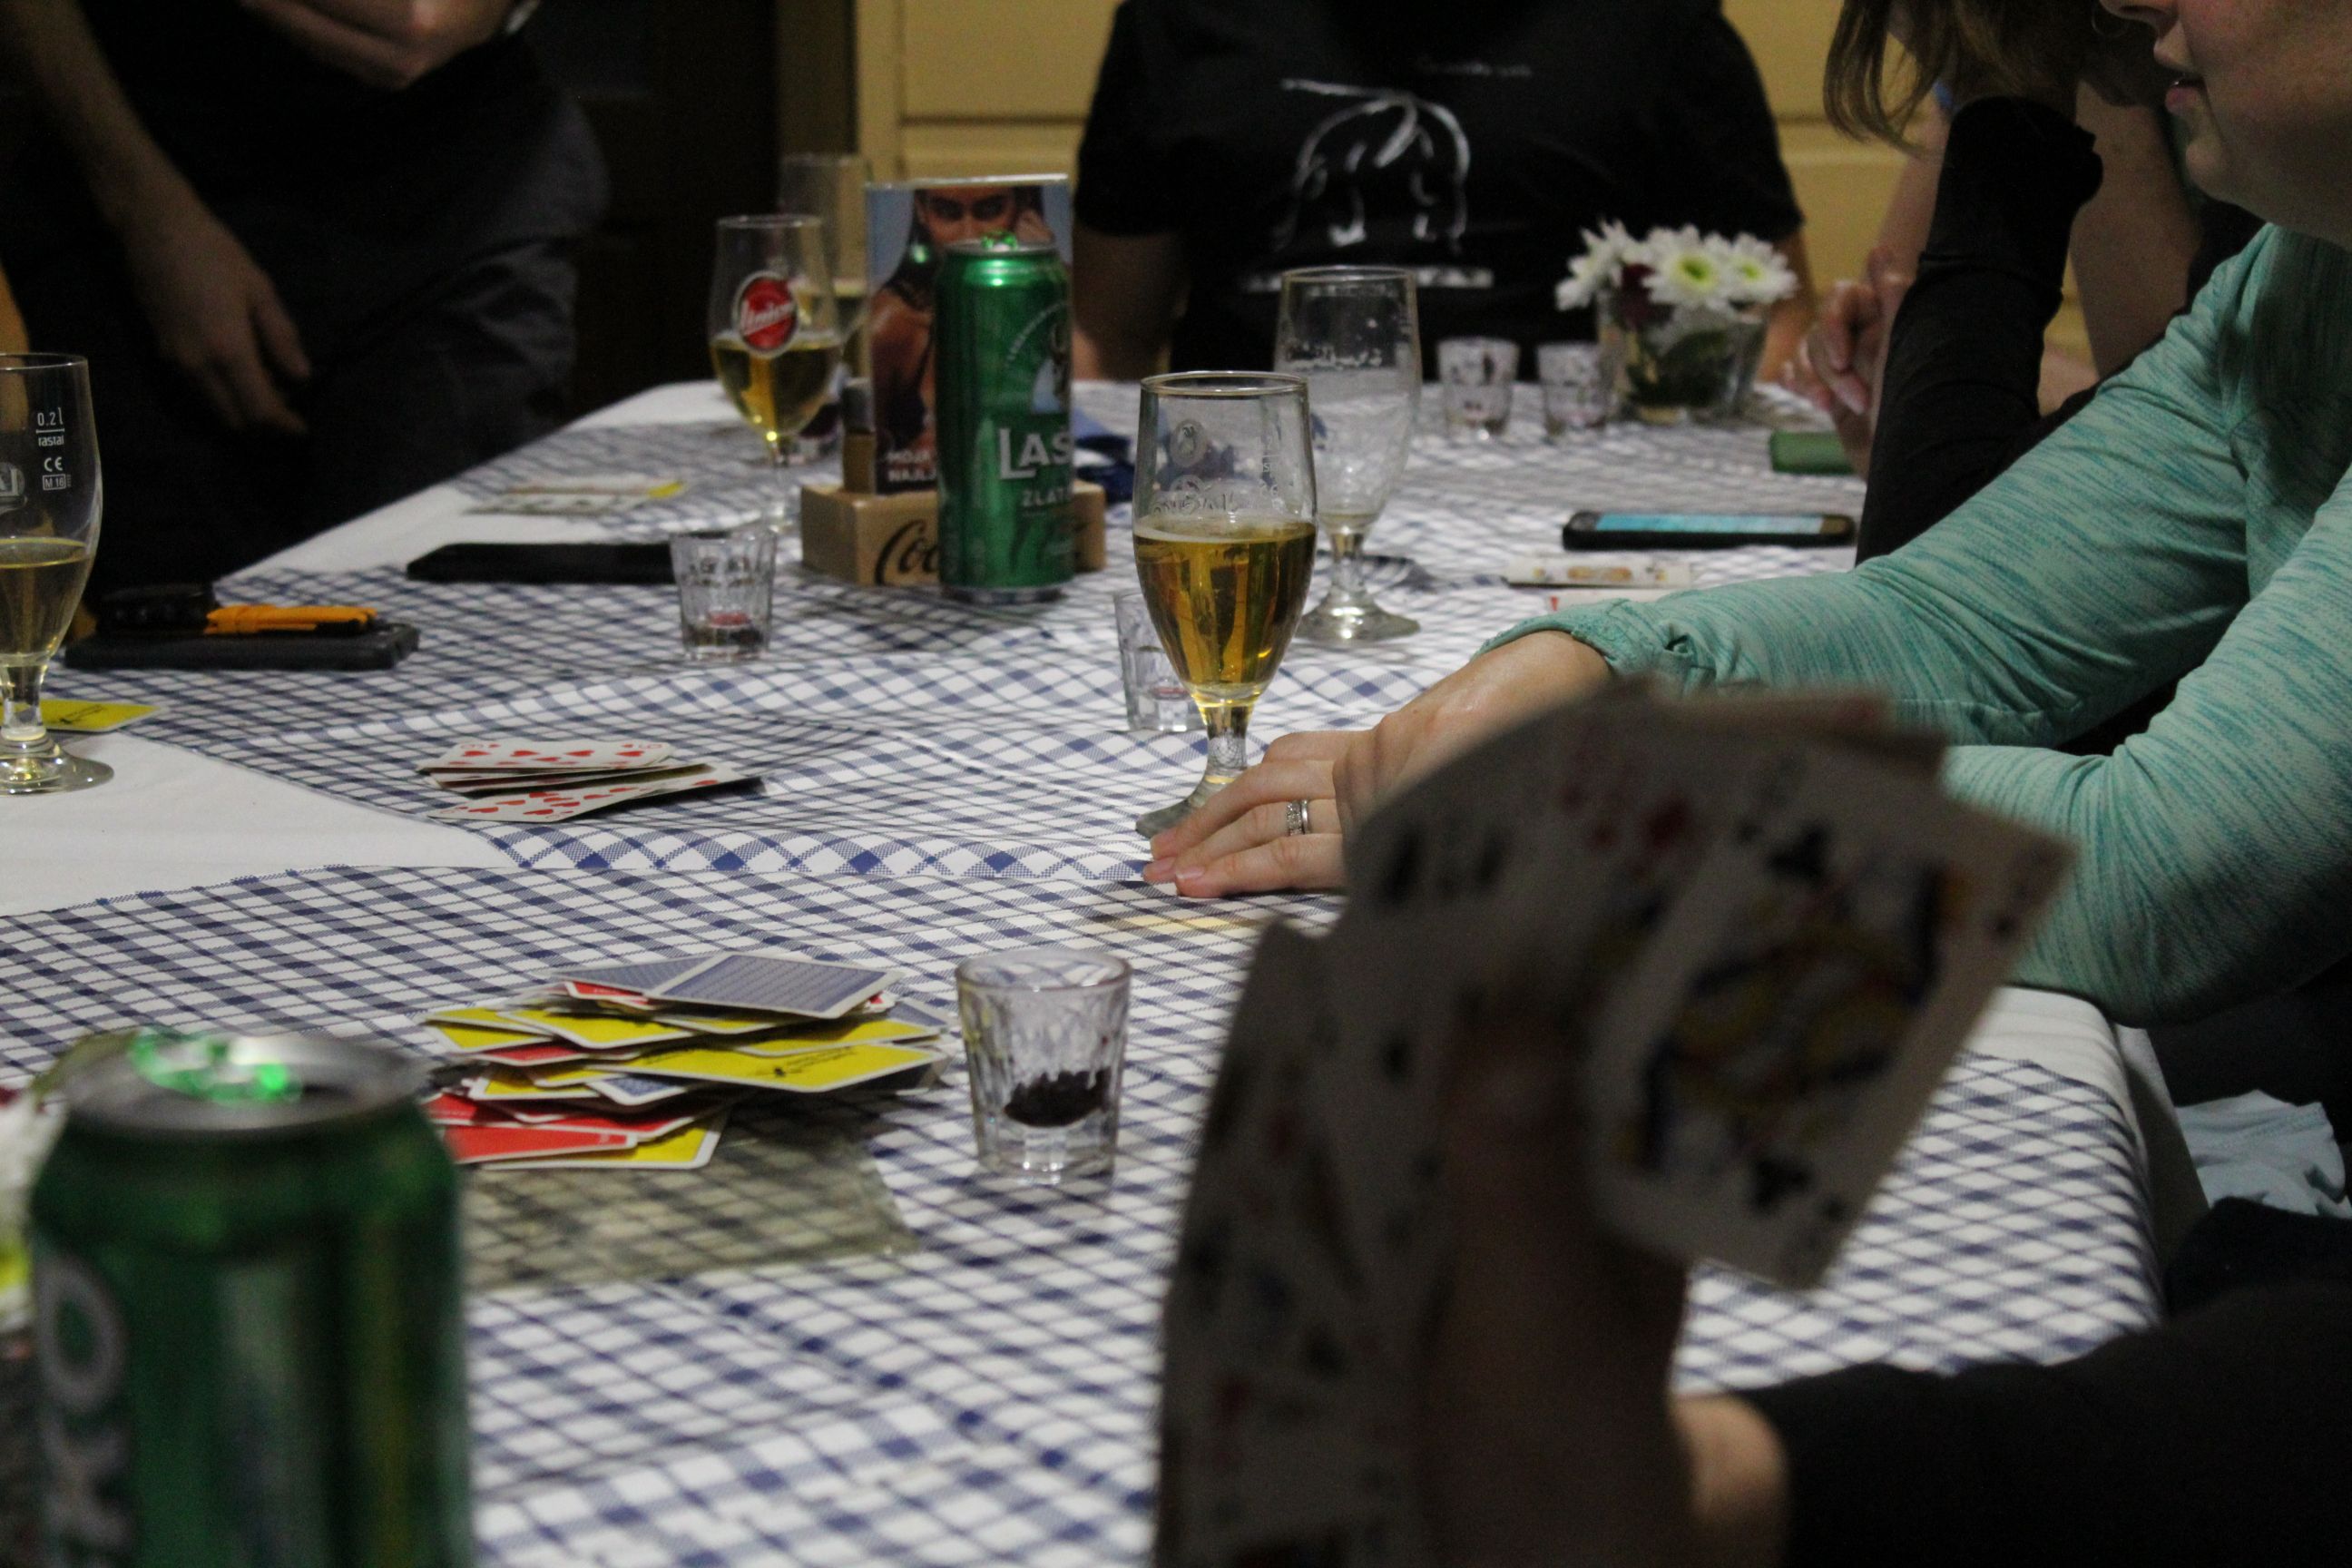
x=817 y=1070
x=71 y=718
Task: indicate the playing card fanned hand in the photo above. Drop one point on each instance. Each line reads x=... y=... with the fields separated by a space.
x=1755 y=920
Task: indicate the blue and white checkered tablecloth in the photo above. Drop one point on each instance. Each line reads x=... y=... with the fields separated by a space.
x=896 y=730
x=987 y=1396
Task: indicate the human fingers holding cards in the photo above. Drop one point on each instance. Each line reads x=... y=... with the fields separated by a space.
x=1550 y=1432
x=1277 y=826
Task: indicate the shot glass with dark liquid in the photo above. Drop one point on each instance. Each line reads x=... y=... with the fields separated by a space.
x=1045 y=1033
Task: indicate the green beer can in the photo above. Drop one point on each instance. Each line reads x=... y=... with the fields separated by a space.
x=1003 y=422
x=248 y=1328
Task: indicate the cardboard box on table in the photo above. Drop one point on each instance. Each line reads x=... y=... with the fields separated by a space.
x=894 y=540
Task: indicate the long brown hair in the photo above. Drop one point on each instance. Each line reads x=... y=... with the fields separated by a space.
x=1948 y=38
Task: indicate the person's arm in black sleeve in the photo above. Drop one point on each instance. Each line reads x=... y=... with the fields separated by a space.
x=1963 y=363
x=2218 y=1439
x=1129 y=274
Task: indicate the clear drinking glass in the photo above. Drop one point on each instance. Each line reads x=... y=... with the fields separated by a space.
x=1045 y=1033
x=50 y=499
x=775 y=341
x=726 y=592
x=1155 y=698
x=1576 y=393
x=1478 y=373
x=1354 y=334
x=1224 y=545
x=832 y=186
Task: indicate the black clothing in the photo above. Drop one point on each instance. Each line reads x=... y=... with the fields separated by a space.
x=1268 y=134
x=2218 y=1439
x=1960 y=399
x=420 y=241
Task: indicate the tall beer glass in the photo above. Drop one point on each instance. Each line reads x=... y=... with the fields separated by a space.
x=774 y=338
x=1354 y=334
x=1224 y=545
x=49 y=505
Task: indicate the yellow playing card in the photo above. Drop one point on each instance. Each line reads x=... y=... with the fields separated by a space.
x=592 y=1031
x=486 y=1018
x=687 y=1148
x=816 y=1070
x=870 y=1032
x=68 y=717
x=476 y=1037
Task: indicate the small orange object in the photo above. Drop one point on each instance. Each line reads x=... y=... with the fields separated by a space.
x=246 y=620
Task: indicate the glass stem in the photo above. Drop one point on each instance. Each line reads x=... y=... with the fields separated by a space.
x=21 y=731
x=1228 y=726
x=1347 y=567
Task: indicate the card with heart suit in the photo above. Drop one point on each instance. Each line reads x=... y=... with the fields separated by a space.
x=560 y=804
x=548 y=756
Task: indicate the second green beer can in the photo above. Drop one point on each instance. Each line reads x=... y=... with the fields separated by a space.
x=1003 y=422
x=248 y=1327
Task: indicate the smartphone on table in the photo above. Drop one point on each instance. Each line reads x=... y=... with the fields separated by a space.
x=1702 y=531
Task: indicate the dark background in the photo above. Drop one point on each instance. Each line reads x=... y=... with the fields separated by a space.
x=692 y=104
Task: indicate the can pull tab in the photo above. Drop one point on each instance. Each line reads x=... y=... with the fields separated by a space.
x=207 y=1068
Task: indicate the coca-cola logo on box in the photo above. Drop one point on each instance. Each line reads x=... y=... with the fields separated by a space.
x=766 y=314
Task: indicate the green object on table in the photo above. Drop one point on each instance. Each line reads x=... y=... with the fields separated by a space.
x=1808 y=452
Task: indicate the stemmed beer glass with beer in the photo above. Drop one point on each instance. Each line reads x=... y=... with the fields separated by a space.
x=1224 y=545
x=1354 y=334
x=50 y=506
x=775 y=340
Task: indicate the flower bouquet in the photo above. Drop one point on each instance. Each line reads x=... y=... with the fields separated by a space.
x=1680 y=316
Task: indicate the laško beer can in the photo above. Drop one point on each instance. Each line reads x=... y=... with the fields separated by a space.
x=1003 y=422
x=248 y=1330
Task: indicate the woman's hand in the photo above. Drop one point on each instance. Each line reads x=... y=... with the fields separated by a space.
x=1241 y=842
x=216 y=315
x=1842 y=367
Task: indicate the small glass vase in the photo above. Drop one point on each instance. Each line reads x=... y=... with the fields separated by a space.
x=1673 y=364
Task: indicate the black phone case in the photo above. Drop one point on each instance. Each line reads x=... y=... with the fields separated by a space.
x=542 y=563
x=379 y=648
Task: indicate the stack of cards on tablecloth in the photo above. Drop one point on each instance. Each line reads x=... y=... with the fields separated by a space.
x=548 y=781
x=635 y=1064
x=1760 y=932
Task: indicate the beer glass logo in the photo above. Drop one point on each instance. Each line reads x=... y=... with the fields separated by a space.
x=766 y=314
x=12 y=487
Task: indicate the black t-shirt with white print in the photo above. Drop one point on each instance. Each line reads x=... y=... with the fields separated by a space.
x=1471 y=141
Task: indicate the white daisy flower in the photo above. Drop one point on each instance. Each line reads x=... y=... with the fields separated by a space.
x=1756 y=273
x=1685 y=270
x=1600 y=267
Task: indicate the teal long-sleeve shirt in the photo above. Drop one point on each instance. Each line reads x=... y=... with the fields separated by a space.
x=2194 y=523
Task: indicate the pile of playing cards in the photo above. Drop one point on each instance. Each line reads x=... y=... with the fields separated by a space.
x=548 y=781
x=635 y=1064
x=1757 y=929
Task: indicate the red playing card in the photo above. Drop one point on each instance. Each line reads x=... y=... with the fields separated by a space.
x=446 y=1110
x=480 y=1144
x=616 y=996
x=546 y=756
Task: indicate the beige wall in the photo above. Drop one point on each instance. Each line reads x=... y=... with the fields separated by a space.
x=983 y=87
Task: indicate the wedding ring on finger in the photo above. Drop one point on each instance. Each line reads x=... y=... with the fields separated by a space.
x=1295 y=820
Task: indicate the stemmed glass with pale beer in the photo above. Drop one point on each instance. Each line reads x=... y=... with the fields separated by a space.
x=775 y=340
x=1354 y=334
x=49 y=505
x=1224 y=545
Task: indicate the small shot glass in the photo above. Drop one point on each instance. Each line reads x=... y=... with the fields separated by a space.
x=1478 y=373
x=726 y=592
x=1576 y=395
x=1045 y=1033
x=1156 y=700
